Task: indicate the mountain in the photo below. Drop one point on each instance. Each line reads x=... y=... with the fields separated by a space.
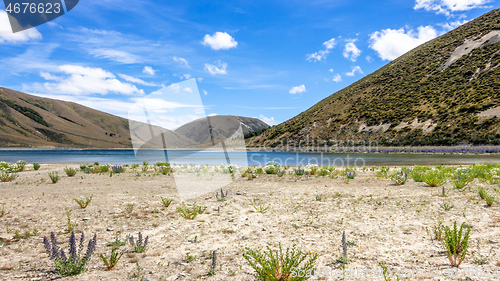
x=444 y=92
x=223 y=126
x=31 y=121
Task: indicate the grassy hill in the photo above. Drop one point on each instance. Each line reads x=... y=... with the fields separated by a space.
x=444 y=92
x=31 y=121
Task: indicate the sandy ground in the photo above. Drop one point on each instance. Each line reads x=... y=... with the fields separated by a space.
x=387 y=223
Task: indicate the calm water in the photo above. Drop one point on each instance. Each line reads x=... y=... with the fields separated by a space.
x=125 y=156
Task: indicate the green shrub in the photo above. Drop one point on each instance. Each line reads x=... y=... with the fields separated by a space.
x=434 y=178
x=166 y=201
x=481 y=190
x=21 y=165
x=188 y=213
x=83 y=203
x=54 y=176
x=70 y=172
x=399 y=178
x=113 y=259
x=259 y=205
x=36 y=166
x=455 y=242
x=460 y=182
x=6 y=176
x=279 y=266
x=490 y=199
x=104 y=169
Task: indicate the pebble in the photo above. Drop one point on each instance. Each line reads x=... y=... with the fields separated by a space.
x=109 y=229
x=85 y=219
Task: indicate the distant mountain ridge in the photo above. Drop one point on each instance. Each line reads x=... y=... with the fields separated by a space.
x=32 y=121
x=222 y=126
x=444 y=92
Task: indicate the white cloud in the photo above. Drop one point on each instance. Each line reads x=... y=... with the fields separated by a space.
x=269 y=121
x=78 y=80
x=181 y=61
x=354 y=69
x=448 y=6
x=218 y=67
x=331 y=70
x=115 y=55
x=391 y=43
x=149 y=70
x=205 y=92
x=7 y=36
x=452 y=25
x=134 y=80
x=298 y=89
x=337 y=78
x=219 y=41
x=322 y=54
x=351 y=52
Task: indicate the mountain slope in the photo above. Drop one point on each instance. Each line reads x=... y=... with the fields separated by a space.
x=31 y=121
x=223 y=126
x=446 y=91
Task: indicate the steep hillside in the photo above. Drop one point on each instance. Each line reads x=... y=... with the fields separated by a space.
x=223 y=126
x=30 y=121
x=444 y=92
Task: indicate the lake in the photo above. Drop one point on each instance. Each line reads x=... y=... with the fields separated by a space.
x=127 y=156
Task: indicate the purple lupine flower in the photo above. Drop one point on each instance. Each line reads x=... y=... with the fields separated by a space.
x=47 y=246
x=90 y=248
x=81 y=242
x=146 y=241
x=131 y=240
x=139 y=240
x=62 y=256
x=72 y=247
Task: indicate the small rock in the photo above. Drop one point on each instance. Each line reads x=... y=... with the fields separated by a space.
x=171 y=278
x=238 y=193
x=85 y=219
x=7 y=237
x=109 y=229
x=184 y=264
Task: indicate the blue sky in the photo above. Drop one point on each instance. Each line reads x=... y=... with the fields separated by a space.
x=265 y=59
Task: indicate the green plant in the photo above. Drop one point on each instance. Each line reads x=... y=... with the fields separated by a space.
x=3 y=212
x=481 y=190
x=280 y=266
x=259 y=171
x=455 y=242
x=7 y=175
x=139 y=245
x=104 y=169
x=21 y=164
x=145 y=166
x=129 y=207
x=387 y=275
x=54 y=176
x=75 y=262
x=490 y=199
x=166 y=201
x=83 y=203
x=70 y=172
x=434 y=178
x=446 y=206
x=36 y=166
x=259 y=205
x=70 y=225
x=399 y=178
x=479 y=258
x=113 y=259
x=190 y=258
x=460 y=182
x=187 y=213
x=117 y=242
